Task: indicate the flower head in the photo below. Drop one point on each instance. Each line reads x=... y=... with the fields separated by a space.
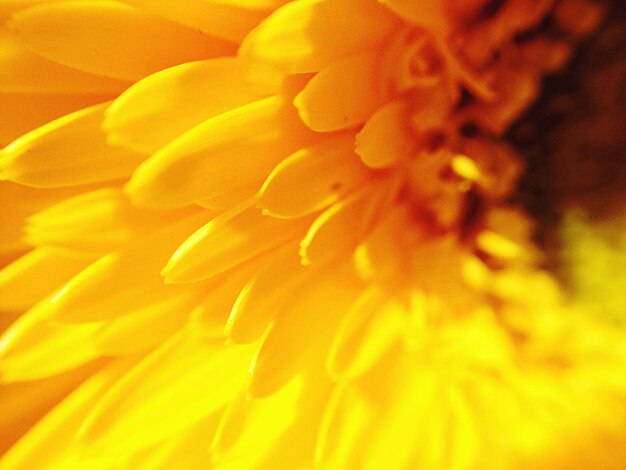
x=290 y=235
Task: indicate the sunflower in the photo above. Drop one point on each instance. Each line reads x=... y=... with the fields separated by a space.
x=296 y=234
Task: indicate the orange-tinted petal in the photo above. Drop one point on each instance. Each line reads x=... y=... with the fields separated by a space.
x=111 y=39
x=69 y=151
x=228 y=240
x=168 y=103
x=220 y=155
x=386 y=139
x=312 y=178
x=342 y=95
x=306 y=35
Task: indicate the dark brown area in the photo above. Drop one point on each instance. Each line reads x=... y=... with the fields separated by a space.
x=574 y=138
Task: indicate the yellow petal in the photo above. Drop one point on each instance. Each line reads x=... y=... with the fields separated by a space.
x=412 y=400
x=386 y=139
x=306 y=35
x=252 y=4
x=23 y=404
x=345 y=223
x=225 y=201
x=111 y=39
x=312 y=178
x=23 y=112
x=263 y=78
x=220 y=155
x=9 y=256
x=179 y=384
x=96 y=222
x=383 y=253
x=264 y=294
x=231 y=423
x=8 y=7
x=146 y=328
x=185 y=451
x=35 y=347
x=251 y=427
x=343 y=94
x=369 y=329
x=346 y=420
x=219 y=18
x=301 y=332
x=130 y=278
x=24 y=202
x=211 y=313
x=22 y=71
x=297 y=443
x=46 y=443
x=226 y=241
x=69 y=151
x=467 y=442
x=35 y=275
x=430 y=15
x=164 y=105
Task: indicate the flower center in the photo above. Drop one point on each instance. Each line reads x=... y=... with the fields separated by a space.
x=462 y=92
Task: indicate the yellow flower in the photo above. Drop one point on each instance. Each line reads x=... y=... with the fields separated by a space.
x=267 y=234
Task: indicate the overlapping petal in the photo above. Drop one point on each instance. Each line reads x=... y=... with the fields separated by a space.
x=273 y=233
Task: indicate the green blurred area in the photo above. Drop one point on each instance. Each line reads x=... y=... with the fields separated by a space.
x=593 y=256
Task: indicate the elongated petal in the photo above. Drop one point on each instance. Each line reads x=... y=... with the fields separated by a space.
x=111 y=39
x=302 y=330
x=35 y=275
x=220 y=155
x=426 y=14
x=47 y=442
x=210 y=315
x=412 y=400
x=306 y=35
x=312 y=178
x=251 y=427
x=382 y=254
x=228 y=240
x=183 y=370
x=69 y=151
x=24 y=202
x=23 y=404
x=344 y=223
x=343 y=437
x=236 y=197
x=264 y=294
x=164 y=105
x=222 y=19
x=231 y=423
x=22 y=71
x=130 y=277
x=386 y=139
x=23 y=112
x=8 y=7
x=253 y=4
x=35 y=347
x=96 y=222
x=368 y=331
x=343 y=94
x=145 y=328
x=185 y=450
